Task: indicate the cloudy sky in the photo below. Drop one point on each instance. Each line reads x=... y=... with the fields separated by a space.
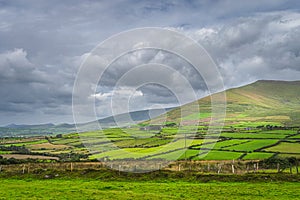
x=43 y=43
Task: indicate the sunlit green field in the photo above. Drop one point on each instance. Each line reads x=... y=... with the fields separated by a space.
x=97 y=189
x=169 y=143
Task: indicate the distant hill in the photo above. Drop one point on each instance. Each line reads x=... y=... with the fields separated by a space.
x=48 y=129
x=265 y=101
x=124 y=119
x=30 y=126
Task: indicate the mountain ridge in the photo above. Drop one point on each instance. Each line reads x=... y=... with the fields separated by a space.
x=273 y=101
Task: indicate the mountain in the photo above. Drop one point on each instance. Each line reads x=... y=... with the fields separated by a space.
x=260 y=103
x=30 y=126
x=124 y=119
x=112 y=121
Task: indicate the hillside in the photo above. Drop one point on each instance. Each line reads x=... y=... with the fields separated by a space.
x=268 y=102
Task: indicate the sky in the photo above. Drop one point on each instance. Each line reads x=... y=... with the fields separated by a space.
x=43 y=43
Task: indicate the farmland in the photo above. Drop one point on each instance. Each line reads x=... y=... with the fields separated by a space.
x=167 y=144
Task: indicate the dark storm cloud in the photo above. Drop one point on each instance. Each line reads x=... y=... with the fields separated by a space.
x=263 y=46
x=28 y=89
x=42 y=44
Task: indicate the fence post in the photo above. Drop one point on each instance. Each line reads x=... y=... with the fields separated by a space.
x=135 y=168
x=0 y=168
x=71 y=166
x=219 y=168
x=23 y=170
x=232 y=167
x=119 y=169
x=278 y=167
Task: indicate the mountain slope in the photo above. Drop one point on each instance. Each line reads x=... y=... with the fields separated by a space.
x=273 y=102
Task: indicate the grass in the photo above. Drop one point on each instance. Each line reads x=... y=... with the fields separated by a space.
x=97 y=189
x=219 y=155
x=245 y=124
x=28 y=143
x=137 y=144
x=5 y=152
x=253 y=135
x=296 y=136
x=177 y=155
x=285 y=132
x=257 y=156
x=196 y=116
x=223 y=144
x=145 y=152
x=251 y=145
x=289 y=155
x=65 y=141
x=156 y=147
x=143 y=142
x=285 y=147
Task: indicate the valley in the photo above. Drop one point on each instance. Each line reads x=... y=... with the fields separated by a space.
x=262 y=121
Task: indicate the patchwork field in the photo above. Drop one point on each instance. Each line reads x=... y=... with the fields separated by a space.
x=168 y=143
x=285 y=147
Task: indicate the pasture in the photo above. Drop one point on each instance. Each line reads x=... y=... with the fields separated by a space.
x=167 y=143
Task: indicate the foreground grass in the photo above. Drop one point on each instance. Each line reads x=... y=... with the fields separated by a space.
x=108 y=184
x=97 y=189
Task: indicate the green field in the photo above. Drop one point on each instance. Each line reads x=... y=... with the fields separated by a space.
x=165 y=144
x=219 y=155
x=5 y=152
x=179 y=154
x=97 y=189
x=223 y=144
x=257 y=155
x=285 y=147
x=253 y=135
x=251 y=145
